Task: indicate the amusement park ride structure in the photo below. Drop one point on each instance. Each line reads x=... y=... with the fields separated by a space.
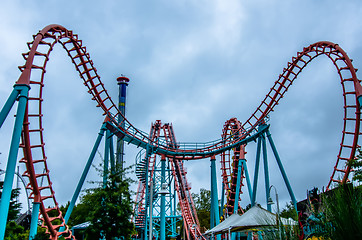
x=160 y=169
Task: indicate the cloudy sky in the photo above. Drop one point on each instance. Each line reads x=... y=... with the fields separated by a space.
x=194 y=64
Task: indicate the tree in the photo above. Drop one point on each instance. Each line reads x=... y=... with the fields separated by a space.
x=339 y=214
x=110 y=208
x=356 y=164
x=79 y=214
x=13 y=230
x=289 y=211
x=14 y=206
x=41 y=234
x=342 y=213
x=202 y=203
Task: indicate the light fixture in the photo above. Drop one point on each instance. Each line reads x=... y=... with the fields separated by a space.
x=270 y=201
x=163 y=189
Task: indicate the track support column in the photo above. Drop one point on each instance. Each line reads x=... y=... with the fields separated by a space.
x=106 y=158
x=215 y=217
x=266 y=171
x=8 y=105
x=237 y=190
x=222 y=200
x=173 y=220
x=150 y=232
x=111 y=156
x=163 y=205
x=247 y=179
x=147 y=193
x=84 y=175
x=214 y=199
x=13 y=155
x=34 y=220
x=256 y=172
x=282 y=169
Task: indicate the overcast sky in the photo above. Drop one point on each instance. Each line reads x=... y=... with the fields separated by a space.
x=194 y=64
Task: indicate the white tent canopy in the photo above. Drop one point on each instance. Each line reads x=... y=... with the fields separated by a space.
x=255 y=217
x=224 y=226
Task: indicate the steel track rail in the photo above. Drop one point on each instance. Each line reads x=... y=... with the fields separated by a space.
x=229 y=165
x=34 y=156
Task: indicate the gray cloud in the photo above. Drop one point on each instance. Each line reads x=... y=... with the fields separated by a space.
x=195 y=64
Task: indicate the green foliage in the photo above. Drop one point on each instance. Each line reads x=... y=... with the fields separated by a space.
x=356 y=164
x=202 y=200
x=286 y=232
x=284 y=229
x=79 y=213
x=342 y=210
x=14 y=206
x=110 y=208
x=55 y=213
x=202 y=203
x=41 y=234
x=289 y=212
x=15 y=232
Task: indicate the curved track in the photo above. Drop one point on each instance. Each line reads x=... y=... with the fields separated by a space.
x=351 y=90
x=145 y=169
x=229 y=164
x=34 y=155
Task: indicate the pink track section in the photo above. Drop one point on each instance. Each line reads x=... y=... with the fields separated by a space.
x=34 y=156
x=188 y=210
x=351 y=89
x=229 y=165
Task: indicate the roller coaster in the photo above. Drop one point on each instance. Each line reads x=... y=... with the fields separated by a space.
x=160 y=142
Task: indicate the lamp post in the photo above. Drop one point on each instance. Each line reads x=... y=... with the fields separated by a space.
x=270 y=202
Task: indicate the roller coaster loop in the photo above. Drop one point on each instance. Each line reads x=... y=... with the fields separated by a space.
x=28 y=128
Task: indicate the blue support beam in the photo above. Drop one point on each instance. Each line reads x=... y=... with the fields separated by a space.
x=212 y=211
x=106 y=158
x=214 y=198
x=266 y=171
x=222 y=200
x=359 y=99
x=84 y=175
x=34 y=220
x=237 y=193
x=282 y=169
x=111 y=155
x=256 y=172
x=163 y=204
x=238 y=182
x=214 y=193
x=147 y=197
x=13 y=155
x=247 y=179
x=8 y=105
x=174 y=220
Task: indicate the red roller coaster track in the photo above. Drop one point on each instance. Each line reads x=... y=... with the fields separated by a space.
x=229 y=164
x=33 y=73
